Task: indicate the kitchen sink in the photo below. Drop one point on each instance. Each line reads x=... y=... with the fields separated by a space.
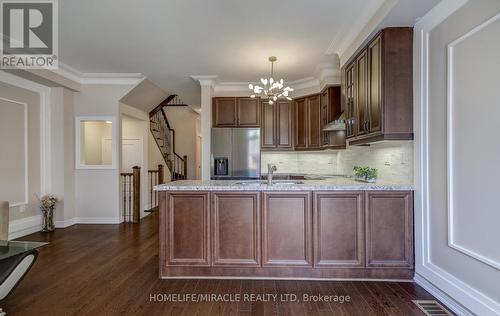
x=275 y=182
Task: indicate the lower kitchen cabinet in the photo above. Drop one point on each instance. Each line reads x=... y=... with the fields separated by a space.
x=236 y=229
x=287 y=229
x=389 y=229
x=339 y=229
x=290 y=234
x=188 y=226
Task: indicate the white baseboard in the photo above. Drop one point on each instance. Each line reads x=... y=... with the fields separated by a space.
x=98 y=220
x=29 y=225
x=454 y=293
x=65 y=223
x=24 y=226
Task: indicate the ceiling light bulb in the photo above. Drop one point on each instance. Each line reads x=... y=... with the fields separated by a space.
x=250 y=86
x=264 y=81
x=252 y=96
x=289 y=99
x=275 y=98
x=271 y=102
x=271 y=80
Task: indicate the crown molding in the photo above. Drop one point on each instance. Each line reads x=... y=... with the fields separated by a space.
x=205 y=80
x=324 y=75
x=98 y=78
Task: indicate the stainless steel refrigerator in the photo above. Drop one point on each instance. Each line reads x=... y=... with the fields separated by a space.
x=235 y=153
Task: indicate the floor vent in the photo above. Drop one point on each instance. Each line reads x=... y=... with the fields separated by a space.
x=432 y=308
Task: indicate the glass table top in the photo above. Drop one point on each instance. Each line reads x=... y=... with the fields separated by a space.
x=12 y=248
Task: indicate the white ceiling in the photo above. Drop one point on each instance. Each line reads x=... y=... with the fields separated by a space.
x=170 y=40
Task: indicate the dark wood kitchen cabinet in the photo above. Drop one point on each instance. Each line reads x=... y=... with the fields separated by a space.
x=331 y=109
x=339 y=229
x=188 y=226
x=389 y=229
x=287 y=229
x=236 y=112
x=276 y=129
x=308 y=128
x=236 y=228
x=378 y=89
x=289 y=234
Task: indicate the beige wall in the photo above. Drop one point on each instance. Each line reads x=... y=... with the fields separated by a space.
x=97 y=191
x=92 y=147
x=183 y=121
x=32 y=100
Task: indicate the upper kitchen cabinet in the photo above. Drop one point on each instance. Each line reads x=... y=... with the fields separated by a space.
x=308 y=128
x=276 y=129
x=236 y=112
x=331 y=110
x=378 y=96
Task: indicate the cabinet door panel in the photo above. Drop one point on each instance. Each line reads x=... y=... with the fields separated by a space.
x=339 y=229
x=361 y=95
x=188 y=229
x=350 y=100
x=389 y=229
x=284 y=123
x=224 y=112
x=375 y=84
x=301 y=123
x=268 y=126
x=287 y=229
x=314 y=122
x=248 y=112
x=236 y=229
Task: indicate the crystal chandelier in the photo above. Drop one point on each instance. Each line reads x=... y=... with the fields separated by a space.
x=271 y=89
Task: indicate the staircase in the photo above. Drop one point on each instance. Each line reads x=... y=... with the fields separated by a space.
x=164 y=136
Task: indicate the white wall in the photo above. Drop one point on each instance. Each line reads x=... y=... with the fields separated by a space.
x=456 y=207
x=97 y=191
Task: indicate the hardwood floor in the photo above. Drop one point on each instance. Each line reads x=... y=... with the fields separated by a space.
x=113 y=270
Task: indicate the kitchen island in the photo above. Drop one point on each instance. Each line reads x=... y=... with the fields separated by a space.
x=314 y=229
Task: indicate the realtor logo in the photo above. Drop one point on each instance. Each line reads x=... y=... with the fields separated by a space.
x=29 y=34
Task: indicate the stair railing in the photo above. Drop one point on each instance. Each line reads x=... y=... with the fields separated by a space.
x=131 y=195
x=164 y=137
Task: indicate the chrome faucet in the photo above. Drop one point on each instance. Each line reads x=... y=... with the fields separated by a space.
x=270 y=169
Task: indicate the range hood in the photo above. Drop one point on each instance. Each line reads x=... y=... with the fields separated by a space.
x=338 y=124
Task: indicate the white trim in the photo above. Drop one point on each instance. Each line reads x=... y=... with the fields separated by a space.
x=461 y=298
x=98 y=220
x=65 y=223
x=78 y=162
x=205 y=80
x=24 y=226
x=45 y=101
x=450 y=161
x=442 y=296
x=26 y=155
x=98 y=78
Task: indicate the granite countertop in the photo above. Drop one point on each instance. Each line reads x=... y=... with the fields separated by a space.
x=305 y=185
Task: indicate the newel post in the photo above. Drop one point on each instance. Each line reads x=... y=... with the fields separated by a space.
x=185 y=166
x=160 y=174
x=136 y=206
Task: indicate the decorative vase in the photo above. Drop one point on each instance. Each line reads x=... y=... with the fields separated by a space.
x=48 y=219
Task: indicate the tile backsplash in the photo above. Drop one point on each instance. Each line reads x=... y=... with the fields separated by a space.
x=324 y=162
x=394 y=161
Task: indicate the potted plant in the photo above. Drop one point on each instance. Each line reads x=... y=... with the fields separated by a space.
x=365 y=174
x=47 y=206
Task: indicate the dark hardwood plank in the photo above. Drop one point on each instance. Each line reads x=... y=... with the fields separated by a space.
x=113 y=270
